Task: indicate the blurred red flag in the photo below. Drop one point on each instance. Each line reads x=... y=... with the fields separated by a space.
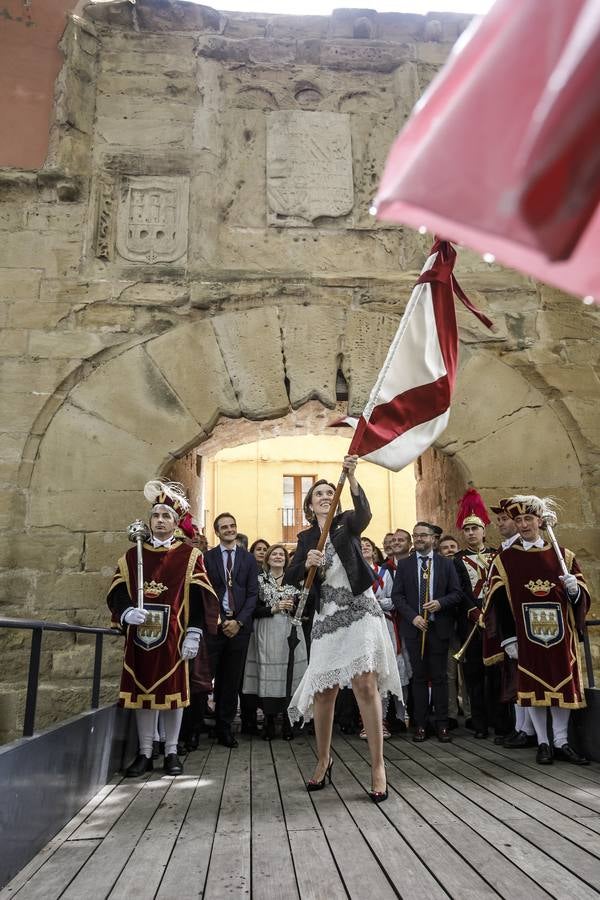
x=503 y=151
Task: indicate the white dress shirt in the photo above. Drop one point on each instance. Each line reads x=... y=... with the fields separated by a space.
x=224 y=552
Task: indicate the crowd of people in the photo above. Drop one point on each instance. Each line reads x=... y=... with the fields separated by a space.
x=430 y=627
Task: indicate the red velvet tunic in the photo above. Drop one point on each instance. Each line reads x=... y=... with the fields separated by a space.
x=154 y=675
x=530 y=603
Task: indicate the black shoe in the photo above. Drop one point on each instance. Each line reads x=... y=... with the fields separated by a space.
x=543 y=755
x=452 y=724
x=193 y=742
x=499 y=740
x=443 y=736
x=156 y=751
x=378 y=796
x=518 y=740
x=313 y=785
x=139 y=766
x=420 y=735
x=287 y=732
x=227 y=740
x=173 y=765
x=567 y=754
x=480 y=735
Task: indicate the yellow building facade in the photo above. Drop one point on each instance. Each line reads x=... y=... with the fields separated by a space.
x=262 y=484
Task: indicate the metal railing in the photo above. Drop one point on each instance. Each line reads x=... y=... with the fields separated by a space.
x=589 y=664
x=37 y=628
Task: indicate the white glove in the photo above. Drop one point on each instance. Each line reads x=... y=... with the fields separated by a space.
x=134 y=616
x=512 y=650
x=570 y=584
x=191 y=643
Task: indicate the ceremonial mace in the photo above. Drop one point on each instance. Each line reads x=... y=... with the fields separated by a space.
x=425 y=577
x=548 y=522
x=138 y=532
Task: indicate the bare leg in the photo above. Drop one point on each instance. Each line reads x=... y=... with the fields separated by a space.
x=369 y=702
x=324 y=705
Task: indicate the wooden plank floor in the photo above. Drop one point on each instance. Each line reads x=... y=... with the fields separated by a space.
x=464 y=820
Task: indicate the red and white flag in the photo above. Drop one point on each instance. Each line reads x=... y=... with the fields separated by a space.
x=409 y=405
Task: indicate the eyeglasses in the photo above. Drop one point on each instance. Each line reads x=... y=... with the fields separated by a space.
x=420 y=534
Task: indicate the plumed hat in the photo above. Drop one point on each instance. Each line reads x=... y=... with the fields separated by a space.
x=471 y=510
x=529 y=504
x=501 y=508
x=167 y=493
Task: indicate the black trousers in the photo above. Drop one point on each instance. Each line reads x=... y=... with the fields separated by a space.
x=433 y=667
x=475 y=678
x=228 y=657
x=500 y=715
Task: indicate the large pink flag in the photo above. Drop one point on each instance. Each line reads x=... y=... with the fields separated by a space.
x=409 y=405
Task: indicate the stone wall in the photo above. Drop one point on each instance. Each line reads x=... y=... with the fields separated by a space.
x=198 y=246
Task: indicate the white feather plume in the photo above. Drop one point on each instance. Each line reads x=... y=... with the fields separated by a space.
x=172 y=489
x=544 y=507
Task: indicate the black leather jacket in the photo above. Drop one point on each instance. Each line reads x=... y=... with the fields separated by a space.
x=346 y=529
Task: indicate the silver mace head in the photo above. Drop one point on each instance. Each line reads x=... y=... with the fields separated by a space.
x=138 y=530
x=549 y=519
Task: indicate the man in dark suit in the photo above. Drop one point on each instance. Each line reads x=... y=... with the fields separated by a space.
x=233 y=574
x=426 y=590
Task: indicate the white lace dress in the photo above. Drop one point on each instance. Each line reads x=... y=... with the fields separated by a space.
x=349 y=636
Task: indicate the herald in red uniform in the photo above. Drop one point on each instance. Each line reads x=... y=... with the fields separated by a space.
x=154 y=674
x=531 y=605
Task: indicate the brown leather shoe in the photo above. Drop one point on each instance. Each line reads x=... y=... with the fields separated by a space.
x=419 y=735
x=443 y=736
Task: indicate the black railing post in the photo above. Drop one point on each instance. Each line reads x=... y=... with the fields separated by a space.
x=97 y=672
x=589 y=663
x=32 y=681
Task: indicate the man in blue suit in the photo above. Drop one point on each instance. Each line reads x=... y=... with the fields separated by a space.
x=233 y=574
x=425 y=593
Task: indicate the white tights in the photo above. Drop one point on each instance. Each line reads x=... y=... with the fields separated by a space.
x=146 y=721
x=523 y=720
x=560 y=724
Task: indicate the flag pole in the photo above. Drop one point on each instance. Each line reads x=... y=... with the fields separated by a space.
x=297 y=618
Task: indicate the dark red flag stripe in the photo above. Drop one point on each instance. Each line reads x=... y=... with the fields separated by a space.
x=389 y=420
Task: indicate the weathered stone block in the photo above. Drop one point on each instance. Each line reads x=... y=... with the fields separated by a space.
x=103 y=549
x=42 y=551
x=472 y=416
x=13 y=342
x=77 y=509
x=307 y=333
x=81 y=590
x=70 y=344
x=16 y=588
x=65 y=459
x=11 y=446
x=190 y=359
x=148 y=408
x=12 y=509
x=20 y=284
x=539 y=431
x=365 y=345
x=251 y=346
x=74 y=662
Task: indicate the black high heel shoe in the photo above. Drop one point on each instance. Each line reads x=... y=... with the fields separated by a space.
x=379 y=796
x=313 y=785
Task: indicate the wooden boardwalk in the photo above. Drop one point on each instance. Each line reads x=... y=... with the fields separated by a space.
x=464 y=820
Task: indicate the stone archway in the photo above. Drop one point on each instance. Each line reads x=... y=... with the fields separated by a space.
x=140 y=410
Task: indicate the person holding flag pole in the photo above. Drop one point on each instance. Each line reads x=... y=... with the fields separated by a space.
x=407 y=411
x=350 y=643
